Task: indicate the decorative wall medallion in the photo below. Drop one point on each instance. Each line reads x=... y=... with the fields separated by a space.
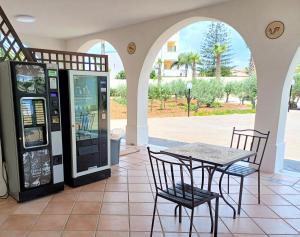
x=274 y=30
x=131 y=48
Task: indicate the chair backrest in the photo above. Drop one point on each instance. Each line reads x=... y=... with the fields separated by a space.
x=250 y=140
x=172 y=173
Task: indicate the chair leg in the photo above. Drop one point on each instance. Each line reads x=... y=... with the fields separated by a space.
x=211 y=217
x=191 y=224
x=175 y=210
x=180 y=214
x=240 y=195
x=228 y=183
x=153 y=217
x=258 y=187
x=216 y=217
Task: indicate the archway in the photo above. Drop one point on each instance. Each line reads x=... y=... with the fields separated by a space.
x=164 y=128
x=118 y=84
x=290 y=115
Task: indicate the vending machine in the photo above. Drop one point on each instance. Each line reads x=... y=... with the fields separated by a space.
x=85 y=121
x=30 y=129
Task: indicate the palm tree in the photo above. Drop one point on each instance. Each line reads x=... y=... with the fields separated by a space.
x=159 y=67
x=194 y=59
x=183 y=60
x=218 y=50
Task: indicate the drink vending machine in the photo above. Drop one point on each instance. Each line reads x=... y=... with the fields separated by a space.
x=31 y=129
x=85 y=121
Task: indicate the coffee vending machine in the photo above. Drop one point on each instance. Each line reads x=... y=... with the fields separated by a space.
x=31 y=129
x=85 y=121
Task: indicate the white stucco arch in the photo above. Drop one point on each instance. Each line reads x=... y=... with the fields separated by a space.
x=249 y=18
x=284 y=102
x=148 y=64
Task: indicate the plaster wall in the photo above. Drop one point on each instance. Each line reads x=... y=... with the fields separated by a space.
x=34 y=41
x=249 y=18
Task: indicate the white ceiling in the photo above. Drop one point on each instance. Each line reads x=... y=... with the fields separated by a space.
x=70 y=18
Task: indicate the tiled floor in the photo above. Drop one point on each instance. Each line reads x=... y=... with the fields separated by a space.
x=122 y=206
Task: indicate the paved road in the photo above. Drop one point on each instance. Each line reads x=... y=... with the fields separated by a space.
x=215 y=129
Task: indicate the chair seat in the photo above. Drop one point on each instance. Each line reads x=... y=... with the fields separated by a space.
x=238 y=170
x=185 y=198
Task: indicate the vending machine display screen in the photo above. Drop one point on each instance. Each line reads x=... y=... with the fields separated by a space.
x=33 y=111
x=30 y=79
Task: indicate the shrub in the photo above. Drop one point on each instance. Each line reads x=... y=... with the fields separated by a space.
x=296 y=89
x=228 y=89
x=207 y=91
x=153 y=75
x=177 y=88
x=121 y=75
x=121 y=94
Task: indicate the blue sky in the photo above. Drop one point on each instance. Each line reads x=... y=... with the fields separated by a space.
x=191 y=38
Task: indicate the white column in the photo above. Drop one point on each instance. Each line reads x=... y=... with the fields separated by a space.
x=272 y=104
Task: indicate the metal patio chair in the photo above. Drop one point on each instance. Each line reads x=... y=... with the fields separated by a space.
x=251 y=140
x=173 y=179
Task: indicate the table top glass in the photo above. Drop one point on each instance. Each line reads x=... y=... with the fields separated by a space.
x=213 y=154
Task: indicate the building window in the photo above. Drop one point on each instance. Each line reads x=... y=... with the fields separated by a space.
x=171 y=46
x=168 y=64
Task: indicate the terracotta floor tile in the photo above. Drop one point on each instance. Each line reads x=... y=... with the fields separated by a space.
x=294 y=223
x=115 y=197
x=19 y=222
x=259 y=211
x=274 y=200
x=246 y=199
x=65 y=197
x=294 y=199
x=171 y=224
x=117 y=180
x=116 y=188
x=90 y=197
x=143 y=223
x=226 y=211
x=51 y=222
x=145 y=234
x=31 y=208
x=94 y=187
x=82 y=222
x=112 y=234
x=203 y=225
x=13 y=233
x=78 y=233
x=146 y=188
x=3 y=218
x=284 y=190
x=140 y=180
x=86 y=208
x=274 y=226
x=141 y=197
x=44 y=234
x=286 y=211
x=185 y=235
x=242 y=226
x=143 y=209
x=167 y=209
x=114 y=208
x=58 y=208
x=113 y=222
x=137 y=173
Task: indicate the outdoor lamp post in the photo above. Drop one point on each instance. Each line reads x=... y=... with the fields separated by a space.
x=189 y=86
x=290 y=102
